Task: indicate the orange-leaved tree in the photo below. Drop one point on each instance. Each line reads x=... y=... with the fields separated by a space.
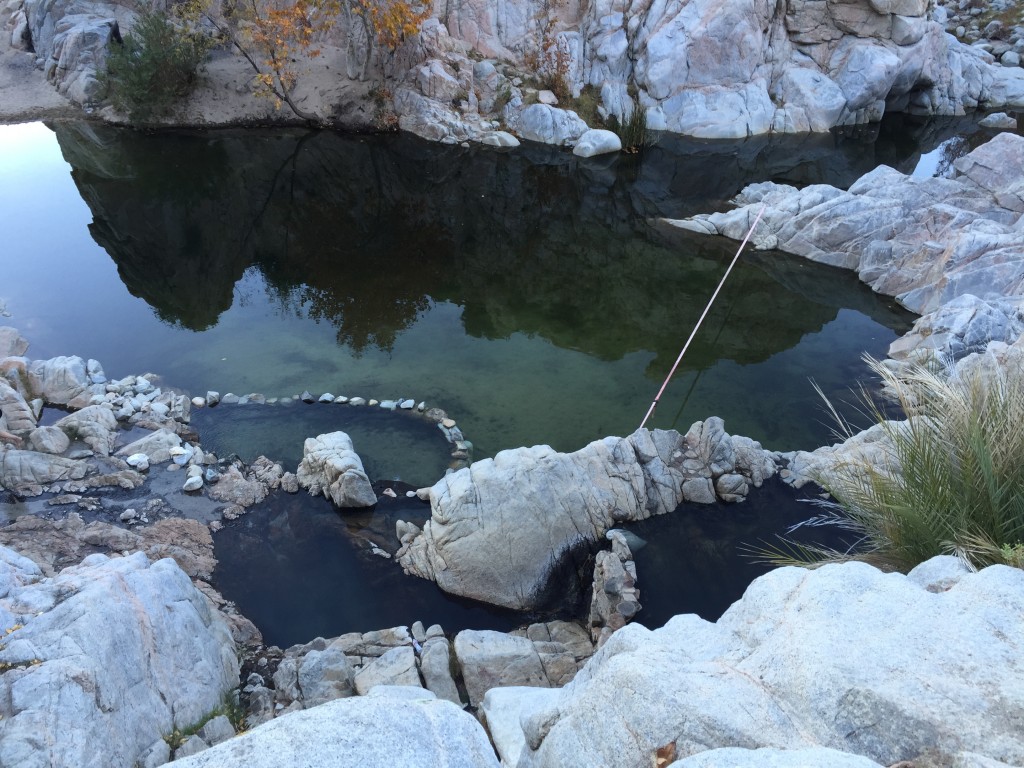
x=279 y=37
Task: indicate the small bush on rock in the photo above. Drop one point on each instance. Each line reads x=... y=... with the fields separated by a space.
x=952 y=478
x=154 y=66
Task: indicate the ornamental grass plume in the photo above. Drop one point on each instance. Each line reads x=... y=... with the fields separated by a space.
x=950 y=479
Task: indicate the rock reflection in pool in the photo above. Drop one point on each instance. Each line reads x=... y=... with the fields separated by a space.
x=299 y=569
x=393 y=445
x=694 y=559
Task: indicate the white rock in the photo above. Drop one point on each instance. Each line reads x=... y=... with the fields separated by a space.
x=550 y=125
x=499 y=139
x=194 y=483
x=331 y=466
x=597 y=141
x=139 y=461
x=359 y=732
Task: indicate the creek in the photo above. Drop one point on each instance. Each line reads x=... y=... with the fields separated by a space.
x=532 y=295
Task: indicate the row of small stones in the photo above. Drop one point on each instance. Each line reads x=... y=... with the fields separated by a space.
x=462 y=449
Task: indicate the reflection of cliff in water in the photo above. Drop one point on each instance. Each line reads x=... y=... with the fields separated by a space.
x=366 y=233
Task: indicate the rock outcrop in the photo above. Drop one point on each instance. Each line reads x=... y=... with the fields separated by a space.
x=501 y=526
x=704 y=68
x=390 y=728
x=884 y=666
x=104 y=659
x=331 y=466
x=923 y=241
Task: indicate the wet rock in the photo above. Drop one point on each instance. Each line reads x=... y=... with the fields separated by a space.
x=157 y=446
x=615 y=598
x=498 y=527
x=59 y=380
x=1000 y=121
x=331 y=466
x=192 y=484
x=27 y=470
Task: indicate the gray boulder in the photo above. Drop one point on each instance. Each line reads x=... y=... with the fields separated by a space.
x=396 y=667
x=494 y=659
x=110 y=656
x=156 y=446
x=94 y=425
x=49 y=440
x=331 y=466
x=843 y=657
x=17 y=413
x=500 y=526
x=21 y=470
x=380 y=730
x=551 y=125
x=59 y=380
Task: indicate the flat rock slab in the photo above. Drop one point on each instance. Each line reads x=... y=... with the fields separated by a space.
x=379 y=730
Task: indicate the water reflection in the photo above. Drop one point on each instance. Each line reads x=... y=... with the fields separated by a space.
x=411 y=253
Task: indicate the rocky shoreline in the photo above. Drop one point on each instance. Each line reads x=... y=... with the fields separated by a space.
x=549 y=694
x=479 y=73
x=119 y=652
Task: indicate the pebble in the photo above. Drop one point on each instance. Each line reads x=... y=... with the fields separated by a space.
x=194 y=471
x=139 y=461
x=407 y=405
x=422 y=406
x=211 y=475
x=212 y=398
x=326 y=397
x=410 y=494
x=307 y=397
x=448 y=423
x=389 y=492
x=387 y=405
x=193 y=484
x=341 y=399
x=199 y=402
x=159 y=409
x=372 y=402
x=357 y=401
x=128 y=514
x=230 y=398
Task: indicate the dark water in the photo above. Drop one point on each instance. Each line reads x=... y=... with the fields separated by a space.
x=397 y=445
x=701 y=558
x=531 y=294
x=299 y=569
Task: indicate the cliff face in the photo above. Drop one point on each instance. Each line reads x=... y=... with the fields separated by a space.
x=704 y=68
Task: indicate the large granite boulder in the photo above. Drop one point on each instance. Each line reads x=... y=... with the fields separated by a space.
x=551 y=125
x=924 y=241
x=23 y=470
x=105 y=659
x=59 y=380
x=331 y=466
x=384 y=730
x=501 y=526
x=884 y=666
x=94 y=425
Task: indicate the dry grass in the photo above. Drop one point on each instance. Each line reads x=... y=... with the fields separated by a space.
x=951 y=480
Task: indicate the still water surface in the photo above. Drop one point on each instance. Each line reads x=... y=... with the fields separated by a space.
x=531 y=294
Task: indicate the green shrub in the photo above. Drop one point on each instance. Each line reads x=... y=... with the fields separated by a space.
x=154 y=66
x=951 y=480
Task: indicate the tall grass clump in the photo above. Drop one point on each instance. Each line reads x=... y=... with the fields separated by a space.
x=632 y=129
x=951 y=478
x=154 y=65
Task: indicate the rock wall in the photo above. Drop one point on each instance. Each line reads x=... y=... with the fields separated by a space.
x=705 y=68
